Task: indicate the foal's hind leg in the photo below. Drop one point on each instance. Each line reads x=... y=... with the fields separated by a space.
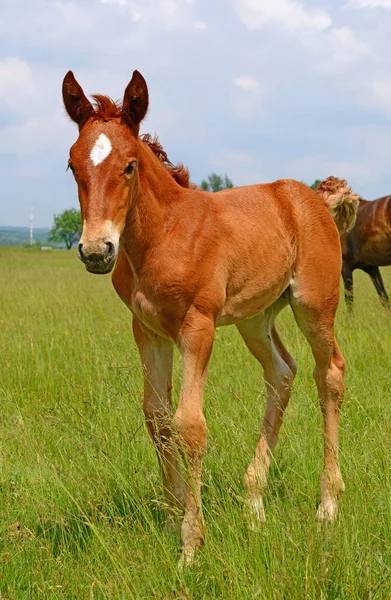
x=318 y=328
x=157 y=356
x=279 y=369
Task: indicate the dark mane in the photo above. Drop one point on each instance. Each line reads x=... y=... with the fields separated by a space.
x=178 y=172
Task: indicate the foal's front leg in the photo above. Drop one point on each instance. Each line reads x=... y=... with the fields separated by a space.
x=195 y=343
x=157 y=357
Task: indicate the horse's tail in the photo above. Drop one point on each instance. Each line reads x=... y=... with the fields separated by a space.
x=341 y=202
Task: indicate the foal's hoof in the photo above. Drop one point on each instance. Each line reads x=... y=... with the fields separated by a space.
x=257 y=514
x=187 y=558
x=327 y=512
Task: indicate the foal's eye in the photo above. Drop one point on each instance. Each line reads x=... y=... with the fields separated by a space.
x=130 y=168
x=71 y=167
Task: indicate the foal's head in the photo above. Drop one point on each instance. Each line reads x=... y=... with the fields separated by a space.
x=104 y=163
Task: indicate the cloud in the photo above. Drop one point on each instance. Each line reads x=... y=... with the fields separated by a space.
x=16 y=82
x=247 y=98
x=246 y=82
x=328 y=48
x=290 y=15
x=344 y=47
x=370 y=4
x=170 y=13
x=43 y=133
x=119 y=2
x=344 y=40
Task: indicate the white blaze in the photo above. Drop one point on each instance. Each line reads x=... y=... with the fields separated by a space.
x=101 y=149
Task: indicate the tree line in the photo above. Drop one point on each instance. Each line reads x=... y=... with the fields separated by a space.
x=67 y=226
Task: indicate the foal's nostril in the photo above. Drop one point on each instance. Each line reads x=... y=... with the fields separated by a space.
x=80 y=252
x=110 y=250
x=98 y=256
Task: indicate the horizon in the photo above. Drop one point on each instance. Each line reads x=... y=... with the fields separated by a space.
x=23 y=227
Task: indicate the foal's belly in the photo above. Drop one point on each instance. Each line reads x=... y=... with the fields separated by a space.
x=240 y=298
x=252 y=299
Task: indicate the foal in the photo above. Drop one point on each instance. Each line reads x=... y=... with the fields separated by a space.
x=188 y=260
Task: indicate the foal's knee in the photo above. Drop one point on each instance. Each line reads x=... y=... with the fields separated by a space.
x=280 y=381
x=191 y=431
x=338 y=360
x=337 y=372
x=331 y=379
x=158 y=421
x=334 y=378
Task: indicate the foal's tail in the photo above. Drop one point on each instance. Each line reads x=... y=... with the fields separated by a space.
x=341 y=202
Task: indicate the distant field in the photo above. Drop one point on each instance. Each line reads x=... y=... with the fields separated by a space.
x=20 y=236
x=81 y=497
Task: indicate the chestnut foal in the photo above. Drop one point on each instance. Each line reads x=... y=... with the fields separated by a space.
x=188 y=260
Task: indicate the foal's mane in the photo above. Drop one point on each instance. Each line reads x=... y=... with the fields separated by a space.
x=105 y=108
x=177 y=172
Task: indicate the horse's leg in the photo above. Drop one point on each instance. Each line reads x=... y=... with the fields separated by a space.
x=347 y=276
x=262 y=339
x=377 y=280
x=195 y=341
x=318 y=327
x=157 y=357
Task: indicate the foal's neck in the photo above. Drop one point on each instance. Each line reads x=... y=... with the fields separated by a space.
x=147 y=220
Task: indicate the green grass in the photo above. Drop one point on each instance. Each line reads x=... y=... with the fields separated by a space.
x=81 y=496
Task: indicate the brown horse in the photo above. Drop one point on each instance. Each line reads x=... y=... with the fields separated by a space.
x=188 y=260
x=368 y=246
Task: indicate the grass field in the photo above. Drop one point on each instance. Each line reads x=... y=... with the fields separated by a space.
x=81 y=497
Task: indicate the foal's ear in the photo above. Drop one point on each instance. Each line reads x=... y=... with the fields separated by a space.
x=78 y=107
x=135 y=102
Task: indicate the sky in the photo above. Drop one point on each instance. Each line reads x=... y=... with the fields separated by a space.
x=256 y=89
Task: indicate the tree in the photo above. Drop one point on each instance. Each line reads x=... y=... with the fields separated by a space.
x=315 y=184
x=215 y=183
x=67 y=227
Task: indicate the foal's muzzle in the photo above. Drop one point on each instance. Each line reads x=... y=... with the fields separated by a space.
x=99 y=258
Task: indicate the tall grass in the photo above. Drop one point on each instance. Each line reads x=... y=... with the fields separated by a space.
x=81 y=497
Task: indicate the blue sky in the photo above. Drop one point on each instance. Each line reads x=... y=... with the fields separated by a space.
x=257 y=89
